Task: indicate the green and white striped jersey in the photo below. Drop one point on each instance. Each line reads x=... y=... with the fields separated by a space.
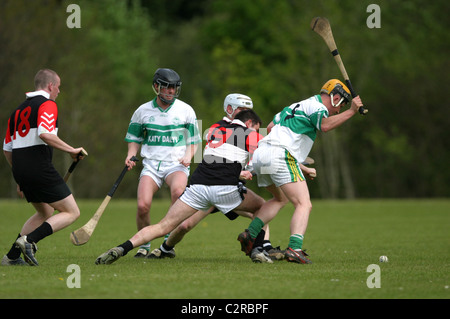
x=164 y=134
x=296 y=127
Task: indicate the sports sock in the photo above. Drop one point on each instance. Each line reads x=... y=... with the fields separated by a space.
x=165 y=248
x=255 y=227
x=14 y=252
x=146 y=246
x=296 y=241
x=40 y=233
x=267 y=245
x=259 y=239
x=127 y=246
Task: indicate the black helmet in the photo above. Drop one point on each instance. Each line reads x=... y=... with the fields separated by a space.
x=165 y=78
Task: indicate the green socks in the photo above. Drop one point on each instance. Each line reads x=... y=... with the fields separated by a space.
x=296 y=241
x=255 y=227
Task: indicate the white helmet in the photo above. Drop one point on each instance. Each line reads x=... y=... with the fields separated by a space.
x=237 y=100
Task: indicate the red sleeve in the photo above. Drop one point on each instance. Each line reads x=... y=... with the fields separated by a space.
x=47 y=116
x=252 y=141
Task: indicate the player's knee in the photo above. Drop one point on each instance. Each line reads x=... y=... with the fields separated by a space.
x=176 y=192
x=75 y=214
x=259 y=202
x=185 y=227
x=307 y=205
x=281 y=200
x=143 y=209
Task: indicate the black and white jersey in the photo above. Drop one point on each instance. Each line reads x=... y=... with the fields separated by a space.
x=229 y=146
x=31 y=156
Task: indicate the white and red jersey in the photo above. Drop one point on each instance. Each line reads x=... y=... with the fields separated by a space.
x=35 y=116
x=229 y=147
x=31 y=156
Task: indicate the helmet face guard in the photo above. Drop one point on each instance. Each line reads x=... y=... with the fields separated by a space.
x=166 y=79
x=333 y=87
x=161 y=84
x=338 y=89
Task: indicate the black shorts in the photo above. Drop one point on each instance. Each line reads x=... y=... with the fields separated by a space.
x=38 y=178
x=48 y=194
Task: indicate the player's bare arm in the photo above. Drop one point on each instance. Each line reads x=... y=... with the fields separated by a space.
x=269 y=127
x=334 y=121
x=187 y=158
x=8 y=156
x=54 y=141
x=246 y=175
x=133 y=149
x=308 y=171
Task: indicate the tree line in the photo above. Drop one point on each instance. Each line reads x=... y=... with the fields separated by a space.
x=264 y=49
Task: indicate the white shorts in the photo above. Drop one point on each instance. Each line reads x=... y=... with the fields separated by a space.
x=201 y=197
x=159 y=170
x=275 y=165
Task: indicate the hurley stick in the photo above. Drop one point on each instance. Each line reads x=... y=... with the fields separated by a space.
x=81 y=236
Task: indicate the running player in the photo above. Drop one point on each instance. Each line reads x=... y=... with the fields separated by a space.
x=28 y=146
x=215 y=182
x=276 y=161
x=166 y=131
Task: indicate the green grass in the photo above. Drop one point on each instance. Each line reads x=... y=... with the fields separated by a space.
x=343 y=239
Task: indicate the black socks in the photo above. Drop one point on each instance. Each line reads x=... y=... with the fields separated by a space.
x=166 y=248
x=40 y=233
x=36 y=235
x=14 y=252
x=127 y=246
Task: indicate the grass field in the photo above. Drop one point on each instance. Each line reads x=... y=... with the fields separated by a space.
x=343 y=239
